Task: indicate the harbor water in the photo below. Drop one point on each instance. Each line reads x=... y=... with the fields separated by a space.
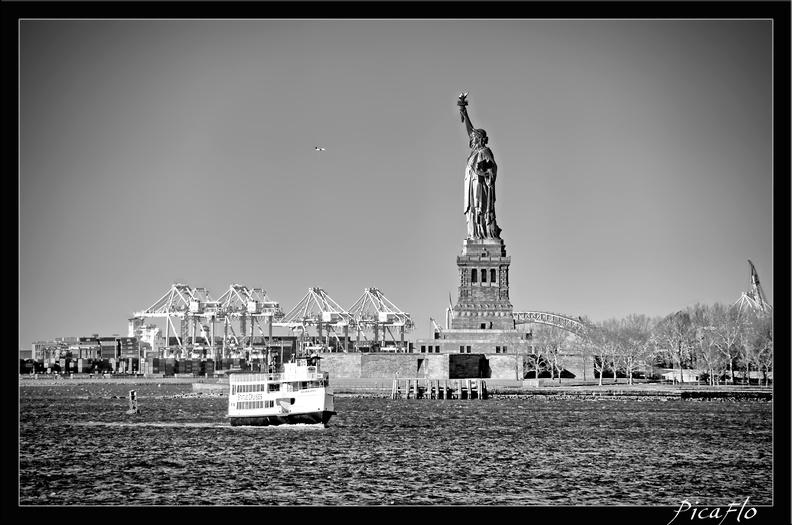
x=78 y=446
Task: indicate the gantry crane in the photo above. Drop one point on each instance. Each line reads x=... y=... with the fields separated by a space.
x=374 y=311
x=437 y=331
x=248 y=306
x=194 y=308
x=317 y=309
x=755 y=299
x=184 y=303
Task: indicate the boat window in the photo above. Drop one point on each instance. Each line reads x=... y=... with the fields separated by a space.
x=303 y=385
x=274 y=387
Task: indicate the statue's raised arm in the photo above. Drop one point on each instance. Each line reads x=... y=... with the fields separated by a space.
x=463 y=111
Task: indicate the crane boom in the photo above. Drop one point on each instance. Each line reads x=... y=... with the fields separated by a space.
x=758 y=293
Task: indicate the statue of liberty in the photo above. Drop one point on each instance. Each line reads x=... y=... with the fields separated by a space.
x=480 y=174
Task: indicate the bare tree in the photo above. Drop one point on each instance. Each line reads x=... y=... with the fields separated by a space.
x=674 y=335
x=758 y=342
x=593 y=344
x=636 y=343
x=534 y=363
x=552 y=339
x=728 y=328
x=614 y=345
x=702 y=317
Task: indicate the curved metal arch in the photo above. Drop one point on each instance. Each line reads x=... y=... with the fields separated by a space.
x=576 y=326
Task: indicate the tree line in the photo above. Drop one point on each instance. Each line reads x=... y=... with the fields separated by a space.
x=722 y=343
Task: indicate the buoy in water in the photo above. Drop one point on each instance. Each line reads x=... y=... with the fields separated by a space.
x=133 y=403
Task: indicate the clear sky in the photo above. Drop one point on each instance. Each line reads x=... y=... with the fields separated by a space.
x=634 y=162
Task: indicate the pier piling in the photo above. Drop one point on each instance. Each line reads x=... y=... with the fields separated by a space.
x=422 y=388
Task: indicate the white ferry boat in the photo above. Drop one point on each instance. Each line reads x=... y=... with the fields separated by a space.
x=301 y=393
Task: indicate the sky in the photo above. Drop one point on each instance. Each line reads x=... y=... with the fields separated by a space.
x=634 y=157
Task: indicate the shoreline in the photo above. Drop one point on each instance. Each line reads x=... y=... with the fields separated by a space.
x=496 y=389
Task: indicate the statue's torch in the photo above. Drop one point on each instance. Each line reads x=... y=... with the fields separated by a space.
x=462 y=103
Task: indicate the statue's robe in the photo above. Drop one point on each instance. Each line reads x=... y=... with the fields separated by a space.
x=480 y=175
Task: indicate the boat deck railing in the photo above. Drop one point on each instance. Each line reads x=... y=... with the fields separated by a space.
x=253 y=377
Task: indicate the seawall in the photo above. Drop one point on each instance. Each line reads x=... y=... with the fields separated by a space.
x=543 y=389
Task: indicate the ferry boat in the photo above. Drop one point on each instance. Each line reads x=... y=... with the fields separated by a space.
x=300 y=393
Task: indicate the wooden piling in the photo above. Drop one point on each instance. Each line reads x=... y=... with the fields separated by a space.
x=423 y=388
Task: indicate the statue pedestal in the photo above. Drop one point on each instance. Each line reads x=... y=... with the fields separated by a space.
x=483 y=302
x=483 y=247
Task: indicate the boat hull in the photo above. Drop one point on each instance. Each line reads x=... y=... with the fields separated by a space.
x=306 y=418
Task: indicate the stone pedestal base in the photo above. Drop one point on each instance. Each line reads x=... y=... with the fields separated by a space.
x=483 y=302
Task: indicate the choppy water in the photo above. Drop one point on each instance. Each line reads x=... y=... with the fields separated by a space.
x=78 y=447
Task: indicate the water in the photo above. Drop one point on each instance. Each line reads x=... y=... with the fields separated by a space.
x=78 y=447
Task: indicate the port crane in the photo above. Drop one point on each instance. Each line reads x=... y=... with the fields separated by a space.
x=202 y=311
x=249 y=307
x=373 y=311
x=754 y=299
x=437 y=331
x=317 y=309
x=188 y=305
